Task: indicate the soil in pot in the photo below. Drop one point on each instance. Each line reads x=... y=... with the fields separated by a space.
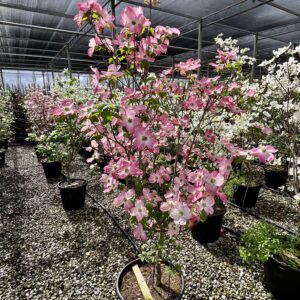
x=52 y=169
x=2 y=158
x=246 y=196
x=73 y=194
x=276 y=176
x=209 y=231
x=282 y=280
x=170 y=289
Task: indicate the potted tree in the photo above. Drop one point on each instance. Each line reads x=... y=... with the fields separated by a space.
x=276 y=174
x=48 y=151
x=20 y=123
x=166 y=162
x=68 y=133
x=280 y=254
x=277 y=107
x=243 y=186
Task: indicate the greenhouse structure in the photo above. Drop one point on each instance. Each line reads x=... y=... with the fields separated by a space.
x=149 y=149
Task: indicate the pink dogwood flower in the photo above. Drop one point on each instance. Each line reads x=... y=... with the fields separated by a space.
x=139 y=210
x=109 y=183
x=139 y=233
x=144 y=139
x=190 y=65
x=123 y=197
x=130 y=120
x=213 y=180
x=264 y=153
x=133 y=19
x=180 y=213
x=128 y=168
x=207 y=205
x=112 y=71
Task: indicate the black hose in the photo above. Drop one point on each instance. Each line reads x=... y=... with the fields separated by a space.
x=283 y=193
x=262 y=218
x=232 y=230
x=115 y=221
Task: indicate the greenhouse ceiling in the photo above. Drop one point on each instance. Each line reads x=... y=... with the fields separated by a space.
x=41 y=34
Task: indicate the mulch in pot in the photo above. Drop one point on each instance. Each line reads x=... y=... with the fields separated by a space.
x=170 y=289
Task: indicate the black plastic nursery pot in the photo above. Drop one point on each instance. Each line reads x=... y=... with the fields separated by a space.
x=2 y=158
x=276 y=177
x=246 y=196
x=282 y=280
x=72 y=195
x=128 y=268
x=209 y=231
x=52 y=169
x=4 y=144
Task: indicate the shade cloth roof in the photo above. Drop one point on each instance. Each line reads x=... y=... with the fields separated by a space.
x=35 y=34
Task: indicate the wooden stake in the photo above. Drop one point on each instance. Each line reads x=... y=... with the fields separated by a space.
x=142 y=283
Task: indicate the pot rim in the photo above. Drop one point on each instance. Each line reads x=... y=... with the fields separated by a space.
x=49 y=162
x=219 y=213
x=279 y=168
x=85 y=183
x=138 y=260
x=283 y=264
x=250 y=186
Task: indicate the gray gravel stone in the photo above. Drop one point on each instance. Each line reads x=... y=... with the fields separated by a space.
x=47 y=253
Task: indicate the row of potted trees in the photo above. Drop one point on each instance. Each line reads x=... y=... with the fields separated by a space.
x=6 y=121
x=58 y=137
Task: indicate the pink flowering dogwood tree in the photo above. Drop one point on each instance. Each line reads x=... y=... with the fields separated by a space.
x=168 y=165
x=38 y=107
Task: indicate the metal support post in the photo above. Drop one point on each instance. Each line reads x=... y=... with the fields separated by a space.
x=199 y=46
x=254 y=55
x=43 y=74
x=113 y=12
x=69 y=62
x=2 y=80
x=173 y=66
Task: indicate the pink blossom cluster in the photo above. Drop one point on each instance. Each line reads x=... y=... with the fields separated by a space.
x=91 y=8
x=39 y=109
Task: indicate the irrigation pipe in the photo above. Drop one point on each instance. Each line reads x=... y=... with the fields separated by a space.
x=262 y=218
x=115 y=221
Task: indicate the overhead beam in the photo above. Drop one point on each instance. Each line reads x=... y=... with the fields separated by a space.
x=45 y=56
x=38 y=69
x=254 y=54
x=35 y=9
x=22 y=25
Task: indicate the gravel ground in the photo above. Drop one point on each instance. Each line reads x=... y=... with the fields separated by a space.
x=47 y=253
